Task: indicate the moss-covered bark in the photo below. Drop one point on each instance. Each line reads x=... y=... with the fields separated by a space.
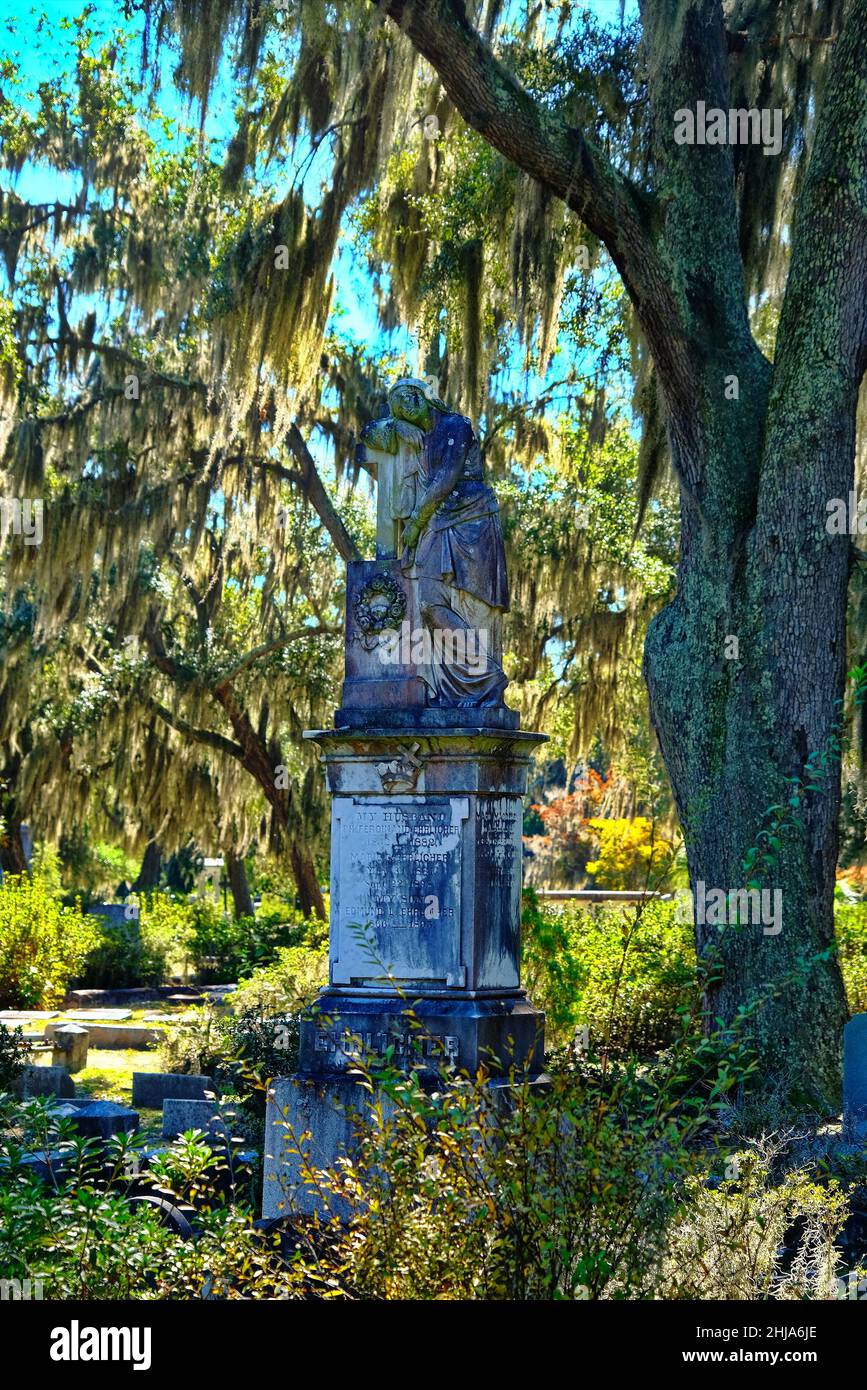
x=758 y=451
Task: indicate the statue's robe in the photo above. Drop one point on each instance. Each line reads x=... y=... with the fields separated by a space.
x=460 y=564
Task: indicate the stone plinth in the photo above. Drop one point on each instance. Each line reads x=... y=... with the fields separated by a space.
x=855 y=1077
x=425 y=926
x=384 y=682
x=69 y=1042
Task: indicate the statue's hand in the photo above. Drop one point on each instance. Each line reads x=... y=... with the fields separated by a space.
x=380 y=434
x=411 y=532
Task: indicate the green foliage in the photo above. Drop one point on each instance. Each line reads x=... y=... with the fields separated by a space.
x=84 y=1237
x=14 y=1055
x=95 y=869
x=756 y=1234
x=223 y=948
x=562 y=1191
x=43 y=945
x=172 y=936
x=850 y=930
x=624 y=973
x=290 y=982
x=258 y=1039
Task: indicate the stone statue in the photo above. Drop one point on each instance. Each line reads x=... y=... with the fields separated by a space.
x=436 y=514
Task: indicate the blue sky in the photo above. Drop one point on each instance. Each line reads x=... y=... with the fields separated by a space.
x=35 y=47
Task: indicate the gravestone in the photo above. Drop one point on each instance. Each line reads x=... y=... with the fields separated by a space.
x=98 y=1119
x=69 y=1043
x=151 y=1088
x=45 y=1081
x=181 y=1115
x=427 y=769
x=855 y=1077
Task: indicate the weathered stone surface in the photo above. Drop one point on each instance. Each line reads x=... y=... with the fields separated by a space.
x=324 y=1109
x=118 y=1035
x=429 y=1035
x=69 y=1044
x=426 y=884
x=17 y=1016
x=181 y=1115
x=296 y=1105
x=855 y=1076
x=115 y=913
x=45 y=1081
x=441 y=565
x=151 y=1089
x=100 y=1015
x=99 y=1118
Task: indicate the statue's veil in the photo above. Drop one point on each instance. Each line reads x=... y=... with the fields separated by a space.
x=425 y=389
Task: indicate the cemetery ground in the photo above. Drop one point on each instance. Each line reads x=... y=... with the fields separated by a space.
x=637 y=1171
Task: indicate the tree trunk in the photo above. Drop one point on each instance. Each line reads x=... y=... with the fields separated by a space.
x=241 y=899
x=310 y=899
x=262 y=762
x=750 y=735
x=151 y=865
x=736 y=726
x=12 y=857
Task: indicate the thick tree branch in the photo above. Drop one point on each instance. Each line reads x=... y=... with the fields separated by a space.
x=208 y=737
x=314 y=489
x=267 y=647
x=563 y=159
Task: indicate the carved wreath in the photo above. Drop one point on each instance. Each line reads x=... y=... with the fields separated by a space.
x=373 y=617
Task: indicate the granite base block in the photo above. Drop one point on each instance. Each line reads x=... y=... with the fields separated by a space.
x=299 y=1106
x=428 y=1035
x=309 y=1124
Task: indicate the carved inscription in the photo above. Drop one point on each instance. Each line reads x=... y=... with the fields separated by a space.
x=399 y=883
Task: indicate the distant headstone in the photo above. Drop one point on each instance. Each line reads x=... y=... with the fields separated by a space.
x=115 y=913
x=117 y=1035
x=45 y=1081
x=151 y=1089
x=99 y=1119
x=101 y=1015
x=855 y=1076
x=181 y=1115
x=69 y=1042
x=26 y=1015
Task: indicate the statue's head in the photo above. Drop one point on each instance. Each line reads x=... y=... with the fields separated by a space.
x=412 y=400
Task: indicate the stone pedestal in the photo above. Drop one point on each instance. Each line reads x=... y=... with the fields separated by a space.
x=855 y=1078
x=425 y=927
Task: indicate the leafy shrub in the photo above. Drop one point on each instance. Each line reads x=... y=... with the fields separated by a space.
x=623 y=972
x=630 y=853
x=850 y=928
x=134 y=951
x=224 y=948
x=197 y=1046
x=259 y=1038
x=84 y=1239
x=289 y=983
x=562 y=1191
x=14 y=1056
x=756 y=1234
x=42 y=944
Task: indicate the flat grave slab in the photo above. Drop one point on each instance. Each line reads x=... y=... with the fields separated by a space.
x=100 y=1015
